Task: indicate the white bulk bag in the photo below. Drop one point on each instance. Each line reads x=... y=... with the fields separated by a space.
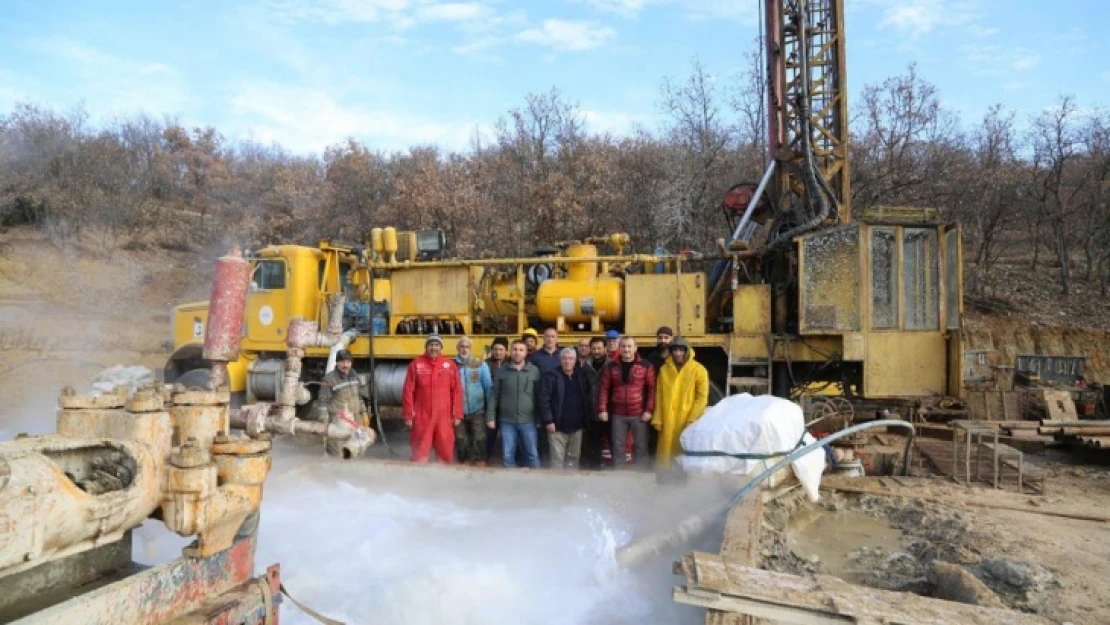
x=746 y=424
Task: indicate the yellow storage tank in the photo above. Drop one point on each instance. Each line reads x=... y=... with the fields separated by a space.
x=582 y=294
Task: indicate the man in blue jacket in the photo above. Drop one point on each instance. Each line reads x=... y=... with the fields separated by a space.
x=565 y=405
x=477 y=384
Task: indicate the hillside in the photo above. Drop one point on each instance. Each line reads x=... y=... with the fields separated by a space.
x=84 y=302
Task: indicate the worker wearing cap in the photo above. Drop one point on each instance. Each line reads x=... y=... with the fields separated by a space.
x=474 y=376
x=531 y=340
x=612 y=344
x=681 y=395
x=341 y=392
x=432 y=403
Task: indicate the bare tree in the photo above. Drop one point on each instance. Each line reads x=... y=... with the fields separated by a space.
x=1055 y=180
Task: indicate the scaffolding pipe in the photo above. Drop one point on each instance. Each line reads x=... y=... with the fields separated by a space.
x=691 y=527
x=754 y=201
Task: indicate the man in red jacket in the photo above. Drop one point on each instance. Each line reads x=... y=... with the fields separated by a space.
x=626 y=389
x=432 y=403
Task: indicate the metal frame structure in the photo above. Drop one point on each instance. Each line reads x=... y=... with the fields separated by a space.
x=822 y=97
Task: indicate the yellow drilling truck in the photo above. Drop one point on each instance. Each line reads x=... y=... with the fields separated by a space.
x=874 y=308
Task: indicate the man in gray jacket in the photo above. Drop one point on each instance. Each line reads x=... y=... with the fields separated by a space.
x=513 y=405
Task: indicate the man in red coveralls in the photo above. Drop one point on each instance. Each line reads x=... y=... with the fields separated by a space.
x=432 y=404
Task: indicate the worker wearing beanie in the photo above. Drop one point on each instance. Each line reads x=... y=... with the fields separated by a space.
x=432 y=403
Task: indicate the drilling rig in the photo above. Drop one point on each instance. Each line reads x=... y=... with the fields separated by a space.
x=802 y=297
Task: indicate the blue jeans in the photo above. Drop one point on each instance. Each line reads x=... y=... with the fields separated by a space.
x=526 y=434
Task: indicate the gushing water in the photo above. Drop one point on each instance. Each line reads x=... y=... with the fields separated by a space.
x=378 y=543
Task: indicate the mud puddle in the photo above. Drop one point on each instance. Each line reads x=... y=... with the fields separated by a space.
x=843 y=543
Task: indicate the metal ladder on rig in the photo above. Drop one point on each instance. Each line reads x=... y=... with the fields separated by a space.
x=752 y=376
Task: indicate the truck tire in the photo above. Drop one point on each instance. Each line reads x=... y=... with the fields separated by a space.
x=198 y=378
x=194 y=378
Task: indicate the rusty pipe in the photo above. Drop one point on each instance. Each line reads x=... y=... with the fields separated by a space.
x=50 y=516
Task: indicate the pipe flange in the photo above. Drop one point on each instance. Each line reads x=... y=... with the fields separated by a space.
x=70 y=400
x=241 y=447
x=200 y=397
x=144 y=401
x=254 y=419
x=190 y=455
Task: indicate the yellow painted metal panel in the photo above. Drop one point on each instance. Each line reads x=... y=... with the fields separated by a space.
x=267 y=318
x=430 y=291
x=905 y=364
x=854 y=346
x=691 y=304
x=751 y=309
x=237 y=374
x=675 y=300
x=189 y=321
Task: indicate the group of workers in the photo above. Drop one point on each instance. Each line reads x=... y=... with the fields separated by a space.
x=570 y=405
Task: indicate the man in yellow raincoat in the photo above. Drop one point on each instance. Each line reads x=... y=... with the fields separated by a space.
x=681 y=394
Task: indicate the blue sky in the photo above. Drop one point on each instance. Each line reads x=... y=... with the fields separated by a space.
x=394 y=73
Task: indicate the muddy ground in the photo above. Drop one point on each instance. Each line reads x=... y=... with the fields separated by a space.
x=1051 y=566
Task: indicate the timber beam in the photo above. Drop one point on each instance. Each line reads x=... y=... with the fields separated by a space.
x=715 y=584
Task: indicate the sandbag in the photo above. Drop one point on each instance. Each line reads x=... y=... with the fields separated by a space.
x=755 y=426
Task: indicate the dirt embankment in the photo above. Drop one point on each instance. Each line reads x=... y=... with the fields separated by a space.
x=1011 y=337
x=67 y=313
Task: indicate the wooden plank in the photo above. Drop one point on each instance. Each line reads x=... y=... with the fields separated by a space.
x=1010 y=405
x=996 y=407
x=977 y=405
x=740 y=544
x=1059 y=405
x=713 y=583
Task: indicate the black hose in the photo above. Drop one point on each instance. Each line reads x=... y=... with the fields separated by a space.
x=816 y=187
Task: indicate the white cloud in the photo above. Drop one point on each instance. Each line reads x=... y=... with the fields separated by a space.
x=920 y=17
x=574 y=36
x=112 y=85
x=307 y=120
x=996 y=60
x=334 y=12
x=1024 y=59
x=744 y=11
x=454 y=12
x=624 y=8
x=398 y=14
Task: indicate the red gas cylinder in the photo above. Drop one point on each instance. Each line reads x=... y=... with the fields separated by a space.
x=226 y=306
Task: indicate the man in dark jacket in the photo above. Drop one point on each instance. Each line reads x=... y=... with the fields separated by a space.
x=342 y=392
x=498 y=357
x=627 y=390
x=663 y=337
x=565 y=407
x=513 y=406
x=546 y=358
x=594 y=437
